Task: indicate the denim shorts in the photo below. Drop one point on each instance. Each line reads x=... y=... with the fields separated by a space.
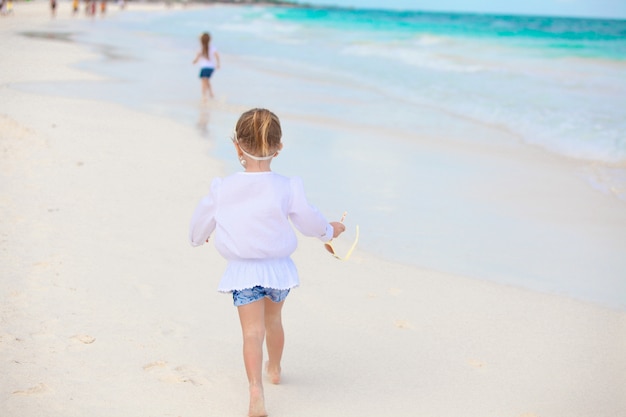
x=250 y=295
x=206 y=72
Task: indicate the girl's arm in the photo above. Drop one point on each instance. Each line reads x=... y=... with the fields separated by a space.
x=338 y=228
x=203 y=219
x=306 y=218
x=197 y=58
x=217 y=60
x=202 y=222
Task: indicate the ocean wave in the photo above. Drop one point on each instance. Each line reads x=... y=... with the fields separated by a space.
x=415 y=55
x=568 y=104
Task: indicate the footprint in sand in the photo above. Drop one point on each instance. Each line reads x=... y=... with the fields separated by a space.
x=37 y=389
x=41 y=264
x=395 y=291
x=477 y=364
x=403 y=324
x=153 y=365
x=180 y=374
x=84 y=339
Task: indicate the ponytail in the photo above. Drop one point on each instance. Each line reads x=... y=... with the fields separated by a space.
x=204 y=40
x=258 y=132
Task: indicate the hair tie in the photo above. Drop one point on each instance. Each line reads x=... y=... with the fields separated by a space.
x=256 y=158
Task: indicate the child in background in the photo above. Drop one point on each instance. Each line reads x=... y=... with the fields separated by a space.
x=209 y=61
x=250 y=213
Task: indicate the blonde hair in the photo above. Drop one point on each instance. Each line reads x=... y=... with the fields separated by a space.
x=258 y=132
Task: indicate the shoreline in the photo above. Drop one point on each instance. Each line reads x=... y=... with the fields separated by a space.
x=107 y=310
x=500 y=152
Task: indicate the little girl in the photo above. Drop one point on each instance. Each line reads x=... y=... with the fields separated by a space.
x=209 y=61
x=250 y=213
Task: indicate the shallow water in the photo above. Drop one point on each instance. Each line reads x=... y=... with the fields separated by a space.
x=423 y=126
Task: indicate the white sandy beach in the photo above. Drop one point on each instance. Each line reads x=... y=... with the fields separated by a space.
x=105 y=309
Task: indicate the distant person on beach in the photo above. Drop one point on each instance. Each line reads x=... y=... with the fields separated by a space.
x=209 y=61
x=75 y=4
x=252 y=213
x=90 y=7
x=53 y=7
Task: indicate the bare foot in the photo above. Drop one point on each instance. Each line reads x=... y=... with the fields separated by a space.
x=257 y=402
x=273 y=373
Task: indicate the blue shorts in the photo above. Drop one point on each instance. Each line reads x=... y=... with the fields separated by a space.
x=250 y=295
x=206 y=72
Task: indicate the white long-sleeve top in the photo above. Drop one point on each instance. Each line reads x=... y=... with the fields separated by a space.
x=250 y=213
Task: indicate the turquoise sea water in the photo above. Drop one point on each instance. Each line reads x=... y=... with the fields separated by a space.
x=360 y=90
x=590 y=37
x=558 y=83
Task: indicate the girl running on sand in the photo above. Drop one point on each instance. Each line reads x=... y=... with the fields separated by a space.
x=209 y=61
x=251 y=213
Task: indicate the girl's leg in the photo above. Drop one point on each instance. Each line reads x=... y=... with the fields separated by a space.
x=275 y=338
x=252 y=321
x=208 y=86
x=205 y=87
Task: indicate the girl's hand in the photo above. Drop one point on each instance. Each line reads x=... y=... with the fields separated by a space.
x=338 y=228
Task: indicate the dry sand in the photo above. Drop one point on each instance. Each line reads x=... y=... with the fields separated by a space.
x=105 y=309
